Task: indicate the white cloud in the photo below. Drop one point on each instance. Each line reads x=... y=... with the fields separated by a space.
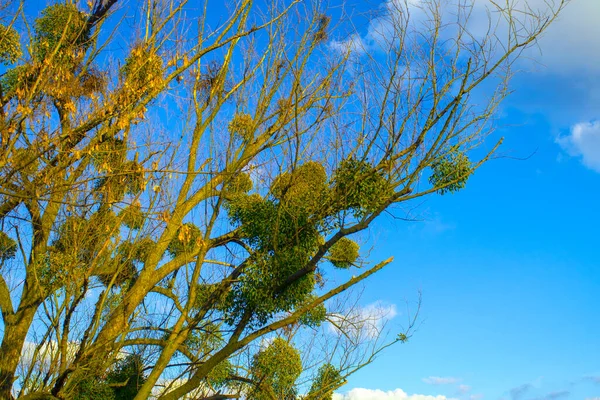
x=354 y=44
x=580 y=20
x=44 y=353
x=366 y=322
x=463 y=389
x=584 y=141
x=375 y=394
x=380 y=30
x=440 y=380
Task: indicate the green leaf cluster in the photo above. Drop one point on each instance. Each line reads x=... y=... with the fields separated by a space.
x=327 y=380
x=283 y=230
x=343 y=253
x=276 y=369
x=238 y=185
x=305 y=189
x=83 y=237
x=127 y=178
x=143 y=70
x=242 y=125
x=205 y=294
x=10 y=45
x=122 y=266
x=121 y=383
x=186 y=239
x=360 y=187
x=220 y=375
x=450 y=174
x=283 y=238
x=17 y=78
x=8 y=247
x=315 y=316
x=110 y=152
x=61 y=31
x=204 y=339
x=132 y=216
x=93 y=389
x=127 y=377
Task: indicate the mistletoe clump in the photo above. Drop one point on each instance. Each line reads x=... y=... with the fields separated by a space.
x=10 y=45
x=305 y=188
x=275 y=369
x=263 y=287
x=242 y=125
x=187 y=238
x=450 y=173
x=61 y=33
x=121 y=268
x=239 y=184
x=126 y=377
x=79 y=241
x=76 y=236
x=206 y=295
x=343 y=253
x=8 y=247
x=57 y=268
x=327 y=380
x=25 y=161
x=143 y=70
x=132 y=216
x=283 y=229
x=360 y=187
x=109 y=153
x=320 y=35
x=220 y=375
x=315 y=316
x=126 y=178
x=93 y=388
x=18 y=79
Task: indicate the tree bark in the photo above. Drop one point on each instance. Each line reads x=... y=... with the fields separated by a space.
x=16 y=327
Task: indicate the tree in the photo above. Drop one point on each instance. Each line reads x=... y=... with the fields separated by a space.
x=170 y=210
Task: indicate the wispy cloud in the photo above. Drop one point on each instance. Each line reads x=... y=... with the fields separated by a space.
x=376 y=394
x=354 y=44
x=592 y=378
x=463 y=389
x=518 y=392
x=555 y=395
x=393 y=13
x=368 y=322
x=440 y=380
x=583 y=141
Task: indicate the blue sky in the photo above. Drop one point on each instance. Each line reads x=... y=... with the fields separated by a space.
x=508 y=267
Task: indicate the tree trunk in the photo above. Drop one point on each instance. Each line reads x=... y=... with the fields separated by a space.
x=16 y=327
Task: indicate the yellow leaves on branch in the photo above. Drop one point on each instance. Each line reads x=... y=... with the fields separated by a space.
x=143 y=70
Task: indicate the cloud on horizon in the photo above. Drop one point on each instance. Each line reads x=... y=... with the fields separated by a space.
x=376 y=394
x=440 y=380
